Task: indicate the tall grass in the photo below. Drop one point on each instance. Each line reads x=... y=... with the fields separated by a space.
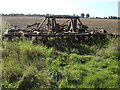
x=39 y=66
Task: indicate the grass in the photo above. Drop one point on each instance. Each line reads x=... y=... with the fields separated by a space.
x=28 y=66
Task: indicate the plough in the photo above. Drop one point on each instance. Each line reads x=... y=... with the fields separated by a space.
x=57 y=26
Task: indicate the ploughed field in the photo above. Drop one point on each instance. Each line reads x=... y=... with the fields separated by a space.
x=109 y=24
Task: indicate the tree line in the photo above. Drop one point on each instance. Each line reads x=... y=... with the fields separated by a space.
x=82 y=15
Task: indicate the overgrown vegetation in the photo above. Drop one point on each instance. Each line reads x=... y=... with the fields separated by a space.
x=28 y=66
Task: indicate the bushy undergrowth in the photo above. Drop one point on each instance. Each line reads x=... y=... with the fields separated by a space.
x=29 y=66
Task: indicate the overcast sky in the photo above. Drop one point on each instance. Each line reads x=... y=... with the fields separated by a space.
x=100 y=8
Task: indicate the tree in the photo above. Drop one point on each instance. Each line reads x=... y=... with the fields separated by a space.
x=87 y=15
x=105 y=17
x=82 y=15
x=74 y=14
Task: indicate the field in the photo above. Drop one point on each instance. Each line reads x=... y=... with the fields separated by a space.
x=108 y=24
x=27 y=65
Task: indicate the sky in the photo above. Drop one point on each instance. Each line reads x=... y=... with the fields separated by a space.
x=119 y=9
x=96 y=8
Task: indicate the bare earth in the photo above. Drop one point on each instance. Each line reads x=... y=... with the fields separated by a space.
x=108 y=24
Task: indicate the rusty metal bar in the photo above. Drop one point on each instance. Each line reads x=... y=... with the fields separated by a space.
x=80 y=21
x=64 y=17
x=41 y=23
x=65 y=22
